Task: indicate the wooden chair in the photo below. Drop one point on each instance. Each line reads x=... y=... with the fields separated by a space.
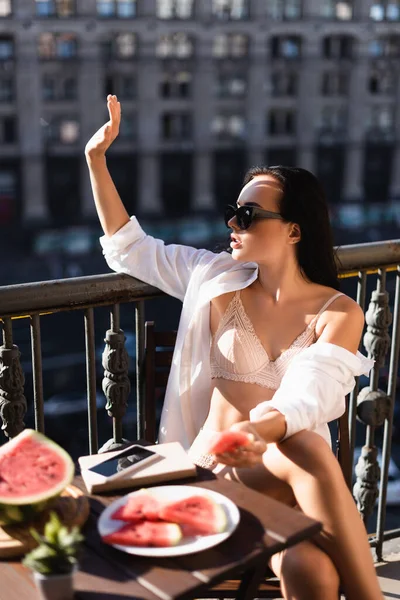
x=159 y=347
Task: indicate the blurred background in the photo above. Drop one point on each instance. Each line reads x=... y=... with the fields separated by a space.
x=208 y=88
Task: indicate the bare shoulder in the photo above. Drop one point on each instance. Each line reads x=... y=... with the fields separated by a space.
x=348 y=306
x=342 y=323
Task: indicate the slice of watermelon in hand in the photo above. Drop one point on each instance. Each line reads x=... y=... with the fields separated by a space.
x=146 y=533
x=229 y=441
x=140 y=506
x=200 y=513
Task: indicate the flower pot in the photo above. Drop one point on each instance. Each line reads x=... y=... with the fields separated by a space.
x=55 y=587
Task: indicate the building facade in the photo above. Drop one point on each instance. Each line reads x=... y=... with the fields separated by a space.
x=208 y=88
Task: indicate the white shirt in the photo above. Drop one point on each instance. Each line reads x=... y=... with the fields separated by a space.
x=312 y=391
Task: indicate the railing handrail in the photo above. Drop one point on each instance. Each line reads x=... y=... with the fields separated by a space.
x=114 y=288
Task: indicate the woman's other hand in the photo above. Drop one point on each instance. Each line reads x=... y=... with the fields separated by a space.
x=104 y=137
x=245 y=456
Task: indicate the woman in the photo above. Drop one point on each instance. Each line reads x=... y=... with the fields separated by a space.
x=266 y=345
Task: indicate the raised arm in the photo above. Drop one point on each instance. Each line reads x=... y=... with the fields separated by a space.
x=109 y=206
x=126 y=246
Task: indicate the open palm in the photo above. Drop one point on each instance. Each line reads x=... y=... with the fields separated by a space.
x=104 y=137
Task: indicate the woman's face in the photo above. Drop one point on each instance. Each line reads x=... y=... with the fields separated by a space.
x=266 y=241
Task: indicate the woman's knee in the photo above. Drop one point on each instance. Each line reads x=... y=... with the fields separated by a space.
x=310 y=453
x=308 y=566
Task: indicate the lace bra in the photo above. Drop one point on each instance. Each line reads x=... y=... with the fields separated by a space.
x=238 y=354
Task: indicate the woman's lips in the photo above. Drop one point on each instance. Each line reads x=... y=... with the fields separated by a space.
x=235 y=243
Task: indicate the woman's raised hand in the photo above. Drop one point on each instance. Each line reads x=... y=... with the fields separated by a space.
x=245 y=456
x=104 y=137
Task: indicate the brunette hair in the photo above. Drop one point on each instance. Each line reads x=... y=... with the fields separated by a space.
x=304 y=202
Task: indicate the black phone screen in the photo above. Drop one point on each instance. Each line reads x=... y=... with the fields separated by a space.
x=131 y=456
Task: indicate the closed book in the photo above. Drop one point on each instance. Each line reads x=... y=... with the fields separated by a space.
x=174 y=464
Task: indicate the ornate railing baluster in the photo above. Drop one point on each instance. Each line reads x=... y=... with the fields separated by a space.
x=373 y=405
x=116 y=384
x=12 y=399
x=387 y=433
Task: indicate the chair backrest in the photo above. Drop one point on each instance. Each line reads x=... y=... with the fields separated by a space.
x=159 y=347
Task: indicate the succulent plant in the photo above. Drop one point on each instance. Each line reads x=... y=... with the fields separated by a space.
x=56 y=553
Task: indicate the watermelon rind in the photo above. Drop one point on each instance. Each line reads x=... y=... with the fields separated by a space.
x=17 y=509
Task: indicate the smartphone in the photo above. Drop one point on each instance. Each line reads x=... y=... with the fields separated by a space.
x=127 y=461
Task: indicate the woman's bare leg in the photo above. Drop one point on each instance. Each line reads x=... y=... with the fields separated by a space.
x=307 y=465
x=306 y=573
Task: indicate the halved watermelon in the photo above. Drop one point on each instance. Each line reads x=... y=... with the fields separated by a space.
x=33 y=471
x=145 y=533
x=228 y=441
x=141 y=505
x=200 y=512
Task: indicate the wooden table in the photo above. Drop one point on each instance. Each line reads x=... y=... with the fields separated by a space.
x=266 y=526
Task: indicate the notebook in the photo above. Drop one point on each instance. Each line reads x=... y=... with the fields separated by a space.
x=175 y=464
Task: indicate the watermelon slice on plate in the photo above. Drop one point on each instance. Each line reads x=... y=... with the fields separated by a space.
x=228 y=441
x=140 y=506
x=199 y=512
x=146 y=533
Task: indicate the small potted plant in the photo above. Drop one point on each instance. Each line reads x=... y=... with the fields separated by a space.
x=54 y=560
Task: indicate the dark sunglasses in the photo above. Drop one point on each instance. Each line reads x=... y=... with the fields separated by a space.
x=245 y=215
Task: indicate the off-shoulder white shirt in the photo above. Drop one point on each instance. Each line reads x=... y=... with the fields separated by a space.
x=312 y=392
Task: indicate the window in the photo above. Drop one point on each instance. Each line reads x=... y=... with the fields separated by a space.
x=57 y=45
x=286 y=47
x=128 y=128
x=55 y=8
x=123 y=86
x=7 y=93
x=123 y=45
x=382 y=82
x=336 y=9
x=49 y=88
x=231 y=126
x=123 y=9
x=175 y=45
x=230 y=45
x=388 y=46
x=334 y=83
x=6 y=48
x=388 y=10
x=284 y=83
x=332 y=119
x=5 y=8
x=175 y=9
x=230 y=9
x=8 y=194
x=176 y=85
x=176 y=126
x=337 y=46
x=176 y=191
x=381 y=122
x=8 y=130
x=284 y=9
x=231 y=85
x=59 y=87
x=64 y=130
x=281 y=121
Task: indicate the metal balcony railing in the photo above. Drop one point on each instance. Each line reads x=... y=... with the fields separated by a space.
x=372 y=269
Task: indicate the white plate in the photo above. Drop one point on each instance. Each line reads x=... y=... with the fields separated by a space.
x=188 y=545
